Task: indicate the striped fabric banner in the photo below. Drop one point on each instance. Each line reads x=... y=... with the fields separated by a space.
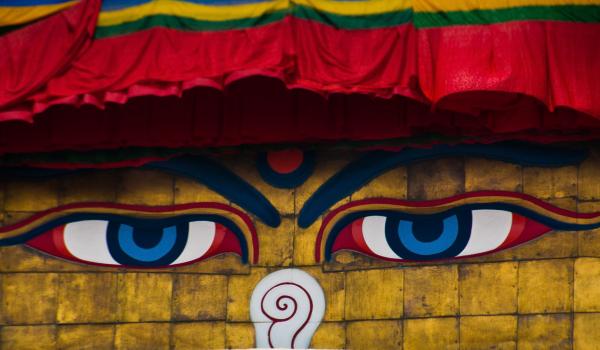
x=118 y=17
x=126 y=16
x=15 y=14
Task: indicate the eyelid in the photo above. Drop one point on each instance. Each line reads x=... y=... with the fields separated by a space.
x=44 y=221
x=531 y=207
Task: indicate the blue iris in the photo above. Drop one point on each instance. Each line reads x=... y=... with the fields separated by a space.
x=159 y=250
x=146 y=244
x=428 y=237
x=443 y=242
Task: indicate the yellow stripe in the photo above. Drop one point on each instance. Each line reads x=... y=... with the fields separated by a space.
x=470 y=5
x=436 y=209
x=356 y=8
x=189 y=10
x=232 y=12
x=238 y=221
x=15 y=15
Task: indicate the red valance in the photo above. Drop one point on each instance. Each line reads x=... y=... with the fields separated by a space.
x=294 y=79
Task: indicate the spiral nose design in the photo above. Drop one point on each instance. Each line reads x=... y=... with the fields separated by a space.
x=286 y=308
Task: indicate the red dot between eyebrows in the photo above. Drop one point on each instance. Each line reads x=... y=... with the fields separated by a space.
x=285 y=161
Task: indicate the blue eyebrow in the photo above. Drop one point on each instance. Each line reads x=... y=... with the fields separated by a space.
x=359 y=172
x=204 y=170
x=221 y=180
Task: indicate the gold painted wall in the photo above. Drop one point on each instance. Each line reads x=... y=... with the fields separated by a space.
x=542 y=295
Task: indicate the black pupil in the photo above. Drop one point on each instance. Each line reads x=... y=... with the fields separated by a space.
x=148 y=237
x=427 y=230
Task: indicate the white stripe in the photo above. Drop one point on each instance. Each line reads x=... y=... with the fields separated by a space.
x=201 y=235
x=489 y=229
x=86 y=240
x=373 y=228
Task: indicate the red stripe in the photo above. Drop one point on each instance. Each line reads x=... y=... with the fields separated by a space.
x=436 y=202
x=554 y=62
x=500 y=76
x=516 y=229
x=33 y=55
x=449 y=200
x=81 y=207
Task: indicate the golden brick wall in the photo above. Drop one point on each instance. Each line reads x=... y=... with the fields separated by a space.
x=542 y=295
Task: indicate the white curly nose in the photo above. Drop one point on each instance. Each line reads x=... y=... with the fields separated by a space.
x=286 y=308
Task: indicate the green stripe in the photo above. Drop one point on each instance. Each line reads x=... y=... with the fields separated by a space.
x=568 y=13
x=354 y=22
x=8 y=29
x=187 y=24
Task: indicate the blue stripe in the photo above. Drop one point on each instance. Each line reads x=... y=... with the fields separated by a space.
x=17 y=3
x=221 y=180
x=442 y=243
x=527 y=213
x=131 y=221
x=163 y=247
x=204 y=170
x=372 y=164
x=109 y=5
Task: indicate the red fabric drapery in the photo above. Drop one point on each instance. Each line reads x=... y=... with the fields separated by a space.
x=529 y=80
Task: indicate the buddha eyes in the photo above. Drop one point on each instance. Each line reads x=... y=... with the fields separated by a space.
x=398 y=230
x=456 y=233
x=140 y=244
x=466 y=225
x=118 y=235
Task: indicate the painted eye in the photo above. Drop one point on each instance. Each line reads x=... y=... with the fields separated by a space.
x=139 y=243
x=460 y=232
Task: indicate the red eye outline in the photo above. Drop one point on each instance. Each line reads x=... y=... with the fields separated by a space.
x=44 y=222
x=53 y=243
x=353 y=238
x=540 y=217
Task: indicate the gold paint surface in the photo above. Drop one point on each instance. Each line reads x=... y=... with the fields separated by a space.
x=28 y=337
x=483 y=174
x=279 y=242
x=497 y=282
x=239 y=335
x=588 y=186
x=431 y=333
x=333 y=285
x=89 y=297
x=329 y=335
x=585 y=333
x=431 y=291
x=94 y=187
x=31 y=196
x=199 y=335
x=374 y=294
x=144 y=297
x=550 y=182
x=141 y=336
x=85 y=337
x=239 y=291
x=28 y=298
x=587 y=280
x=550 y=332
x=199 y=297
x=367 y=334
x=545 y=286
x=488 y=332
x=436 y=179
x=145 y=187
